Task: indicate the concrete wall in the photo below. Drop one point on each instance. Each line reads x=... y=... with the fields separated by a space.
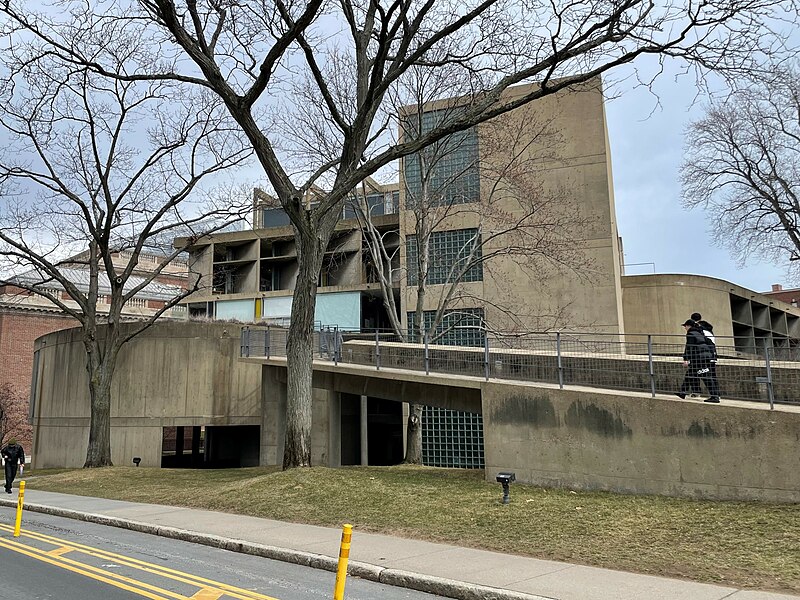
x=595 y=441
x=188 y=374
x=172 y=374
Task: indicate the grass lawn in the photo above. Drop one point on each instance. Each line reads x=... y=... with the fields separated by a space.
x=732 y=543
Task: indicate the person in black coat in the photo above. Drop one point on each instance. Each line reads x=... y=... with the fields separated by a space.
x=697 y=356
x=14 y=456
x=708 y=331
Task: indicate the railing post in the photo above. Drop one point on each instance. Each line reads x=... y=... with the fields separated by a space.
x=486 y=355
x=377 y=351
x=325 y=341
x=266 y=342
x=560 y=366
x=650 y=363
x=770 y=391
x=336 y=345
x=427 y=357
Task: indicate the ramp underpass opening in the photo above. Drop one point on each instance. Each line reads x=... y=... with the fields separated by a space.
x=210 y=446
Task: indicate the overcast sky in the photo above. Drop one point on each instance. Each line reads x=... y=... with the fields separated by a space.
x=646 y=152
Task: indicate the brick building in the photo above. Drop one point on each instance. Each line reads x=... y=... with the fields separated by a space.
x=24 y=316
x=790 y=296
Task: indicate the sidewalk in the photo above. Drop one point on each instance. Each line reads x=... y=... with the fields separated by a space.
x=451 y=571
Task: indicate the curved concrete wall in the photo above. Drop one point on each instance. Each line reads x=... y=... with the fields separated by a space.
x=173 y=374
x=660 y=303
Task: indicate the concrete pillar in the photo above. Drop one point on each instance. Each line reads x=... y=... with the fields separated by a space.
x=335 y=430
x=326 y=445
x=179 y=441
x=364 y=432
x=273 y=416
x=406 y=412
x=196 y=462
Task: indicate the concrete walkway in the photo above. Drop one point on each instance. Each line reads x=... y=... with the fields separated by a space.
x=451 y=571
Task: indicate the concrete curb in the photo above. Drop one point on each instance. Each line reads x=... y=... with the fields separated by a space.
x=395 y=577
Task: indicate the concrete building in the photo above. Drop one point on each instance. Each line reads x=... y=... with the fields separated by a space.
x=250 y=274
x=562 y=144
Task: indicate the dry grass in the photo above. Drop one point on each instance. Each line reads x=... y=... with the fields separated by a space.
x=741 y=544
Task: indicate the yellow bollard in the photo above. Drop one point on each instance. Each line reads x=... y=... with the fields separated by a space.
x=344 y=555
x=20 y=500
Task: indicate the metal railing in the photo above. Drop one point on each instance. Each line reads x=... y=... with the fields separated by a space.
x=638 y=362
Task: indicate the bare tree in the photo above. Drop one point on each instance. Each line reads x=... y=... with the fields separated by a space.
x=743 y=166
x=259 y=57
x=91 y=167
x=502 y=213
x=13 y=417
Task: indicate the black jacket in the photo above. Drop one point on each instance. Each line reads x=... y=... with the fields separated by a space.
x=698 y=347
x=708 y=331
x=14 y=454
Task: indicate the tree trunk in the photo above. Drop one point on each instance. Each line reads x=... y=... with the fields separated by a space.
x=414 y=436
x=299 y=350
x=100 y=368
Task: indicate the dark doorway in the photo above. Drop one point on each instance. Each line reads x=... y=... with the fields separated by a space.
x=183 y=447
x=351 y=429
x=373 y=313
x=232 y=446
x=385 y=431
x=212 y=447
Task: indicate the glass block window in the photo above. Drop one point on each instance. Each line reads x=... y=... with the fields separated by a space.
x=447 y=248
x=462 y=327
x=452 y=438
x=450 y=165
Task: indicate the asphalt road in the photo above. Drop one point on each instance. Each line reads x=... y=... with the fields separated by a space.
x=63 y=559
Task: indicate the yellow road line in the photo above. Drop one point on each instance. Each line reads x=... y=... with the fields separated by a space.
x=60 y=551
x=159 y=570
x=208 y=594
x=16 y=547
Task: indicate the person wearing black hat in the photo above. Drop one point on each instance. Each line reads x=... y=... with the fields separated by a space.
x=697 y=355
x=708 y=331
x=14 y=456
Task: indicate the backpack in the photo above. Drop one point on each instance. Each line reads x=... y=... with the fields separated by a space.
x=708 y=335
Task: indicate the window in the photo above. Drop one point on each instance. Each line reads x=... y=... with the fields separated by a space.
x=451 y=163
x=459 y=327
x=274 y=217
x=379 y=203
x=452 y=438
x=447 y=248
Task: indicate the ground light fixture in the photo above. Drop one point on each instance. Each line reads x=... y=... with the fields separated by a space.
x=505 y=479
x=136 y=460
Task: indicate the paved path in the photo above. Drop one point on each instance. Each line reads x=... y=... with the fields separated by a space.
x=451 y=571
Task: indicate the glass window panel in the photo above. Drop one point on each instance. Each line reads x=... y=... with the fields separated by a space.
x=448 y=249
